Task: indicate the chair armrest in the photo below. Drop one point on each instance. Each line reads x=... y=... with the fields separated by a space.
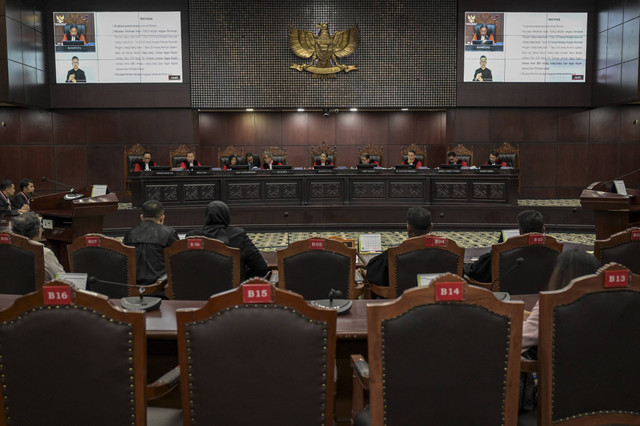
x=478 y=283
x=360 y=383
x=151 y=288
x=529 y=365
x=164 y=384
x=382 y=291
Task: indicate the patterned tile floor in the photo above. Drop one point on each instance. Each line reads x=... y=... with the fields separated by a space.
x=271 y=241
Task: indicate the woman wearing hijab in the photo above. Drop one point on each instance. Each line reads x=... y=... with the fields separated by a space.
x=217 y=220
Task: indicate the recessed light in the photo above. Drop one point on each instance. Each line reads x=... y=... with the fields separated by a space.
x=300 y=109
x=249 y=109
x=405 y=109
x=353 y=109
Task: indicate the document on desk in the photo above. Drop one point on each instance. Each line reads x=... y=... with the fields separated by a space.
x=370 y=243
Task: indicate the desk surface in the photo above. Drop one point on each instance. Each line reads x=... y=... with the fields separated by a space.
x=161 y=324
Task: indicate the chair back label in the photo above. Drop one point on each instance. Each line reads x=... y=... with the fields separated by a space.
x=56 y=295
x=316 y=244
x=616 y=279
x=194 y=244
x=449 y=291
x=536 y=239
x=635 y=234
x=256 y=293
x=5 y=239
x=431 y=241
x=92 y=241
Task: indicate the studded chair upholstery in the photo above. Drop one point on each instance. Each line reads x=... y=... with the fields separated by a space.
x=314 y=266
x=523 y=264
x=426 y=254
x=76 y=364
x=622 y=247
x=198 y=267
x=21 y=263
x=279 y=354
x=105 y=259
x=452 y=360
x=589 y=347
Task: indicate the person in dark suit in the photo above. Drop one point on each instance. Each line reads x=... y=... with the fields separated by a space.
x=452 y=158
x=366 y=159
x=494 y=159
x=146 y=163
x=268 y=161
x=217 y=219
x=7 y=190
x=418 y=223
x=189 y=162
x=150 y=237
x=23 y=198
x=411 y=159
x=76 y=75
x=252 y=161
x=323 y=161
x=483 y=73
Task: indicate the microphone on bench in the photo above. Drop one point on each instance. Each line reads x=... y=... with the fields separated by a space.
x=341 y=306
x=132 y=303
x=519 y=261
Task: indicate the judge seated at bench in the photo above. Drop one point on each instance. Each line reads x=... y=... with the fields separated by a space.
x=268 y=161
x=189 y=162
x=146 y=163
x=323 y=160
x=366 y=159
x=411 y=159
x=495 y=160
x=233 y=160
x=452 y=158
x=418 y=223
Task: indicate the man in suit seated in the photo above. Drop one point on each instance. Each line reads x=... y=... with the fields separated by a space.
x=494 y=159
x=7 y=190
x=418 y=223
x=252 y=161
x=29 y=225
x=323 y=161
x=411 y=159
x=452 y=158
x=146 y=163
x=366 y=159
x=73 y=35
x=528 y=221
x=268 y=161
x=23 y=198
x=189 y=162
x=150 y=237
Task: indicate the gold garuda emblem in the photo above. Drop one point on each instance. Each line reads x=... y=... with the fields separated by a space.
x=471 y=19
x=324 y=49
x=60 y=19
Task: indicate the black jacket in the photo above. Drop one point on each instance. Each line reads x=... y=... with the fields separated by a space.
x=217 y=227
x=150 y=239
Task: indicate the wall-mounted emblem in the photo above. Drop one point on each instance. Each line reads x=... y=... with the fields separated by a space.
x=324 y=49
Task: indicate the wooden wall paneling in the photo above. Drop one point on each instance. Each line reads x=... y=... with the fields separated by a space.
x=629 y=153
x=97 y=157
x=294 y=128
x=36 y=127
x=208 y=155
x=71 y=165
x=430 y=128
x=569 y=192
x=375 y=130
x=573 y=164
x=402 y=129
x=298 y=155
x=322 y=128
x=538 y=165
x=533 y=193
x=10 y=132
x=450 y=127
x=472 y=125
x=268 y=129
x=160 y=153
x=629 y=81
x=37 y=161
x=506 y=125
x=540 y=125
x=629 y=127
x=213 y=128
x=69 y=127
x=9 y=167
x=347 y=155
x=436 y=155
x=480 y=152
x=348 y=130
x=604 y=124
x=603 y=161
x=242 y=128
x=104 y=127
x=573 y=126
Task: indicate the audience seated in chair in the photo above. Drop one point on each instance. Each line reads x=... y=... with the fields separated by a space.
x=150 y=237
x=77 y=363
x=279 y=354
x=217 y=219
x=441 y=360
x=418 y=223
x=29 y=225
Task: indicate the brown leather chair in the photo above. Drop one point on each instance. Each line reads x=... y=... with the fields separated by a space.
x=463 y=153
x=313 y=272
x=622 y=247
x=82 y=363
x=198 y=267
x=228 y=151
x=589 y=349
x=419 y=255
x=268 y=363
x=523 y=264
x=21 y=263
x=442 y=361
x=104 y=258
x=132 y=156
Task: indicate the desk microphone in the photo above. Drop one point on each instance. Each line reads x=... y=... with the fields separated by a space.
x=341 y=306
x=286 y=226
x=71 y=195
x=519 y=262
x=132 y=303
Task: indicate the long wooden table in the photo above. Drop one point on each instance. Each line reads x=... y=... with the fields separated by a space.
x=323 y=187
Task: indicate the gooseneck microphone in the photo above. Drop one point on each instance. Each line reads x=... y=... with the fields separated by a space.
x=132 y=303
x=71 y=195
x=519 y=262
x=286 y=226
x=341 y=306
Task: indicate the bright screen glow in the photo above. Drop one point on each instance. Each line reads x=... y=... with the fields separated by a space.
x=525 y=47
x=118 y=47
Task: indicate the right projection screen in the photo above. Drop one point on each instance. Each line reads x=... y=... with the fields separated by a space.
x=518 y=47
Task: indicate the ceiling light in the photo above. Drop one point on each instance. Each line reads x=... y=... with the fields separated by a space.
x=249 y=109
x=300 y=109
x=353 y=109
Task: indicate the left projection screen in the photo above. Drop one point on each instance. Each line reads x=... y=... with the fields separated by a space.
x=117 y=47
